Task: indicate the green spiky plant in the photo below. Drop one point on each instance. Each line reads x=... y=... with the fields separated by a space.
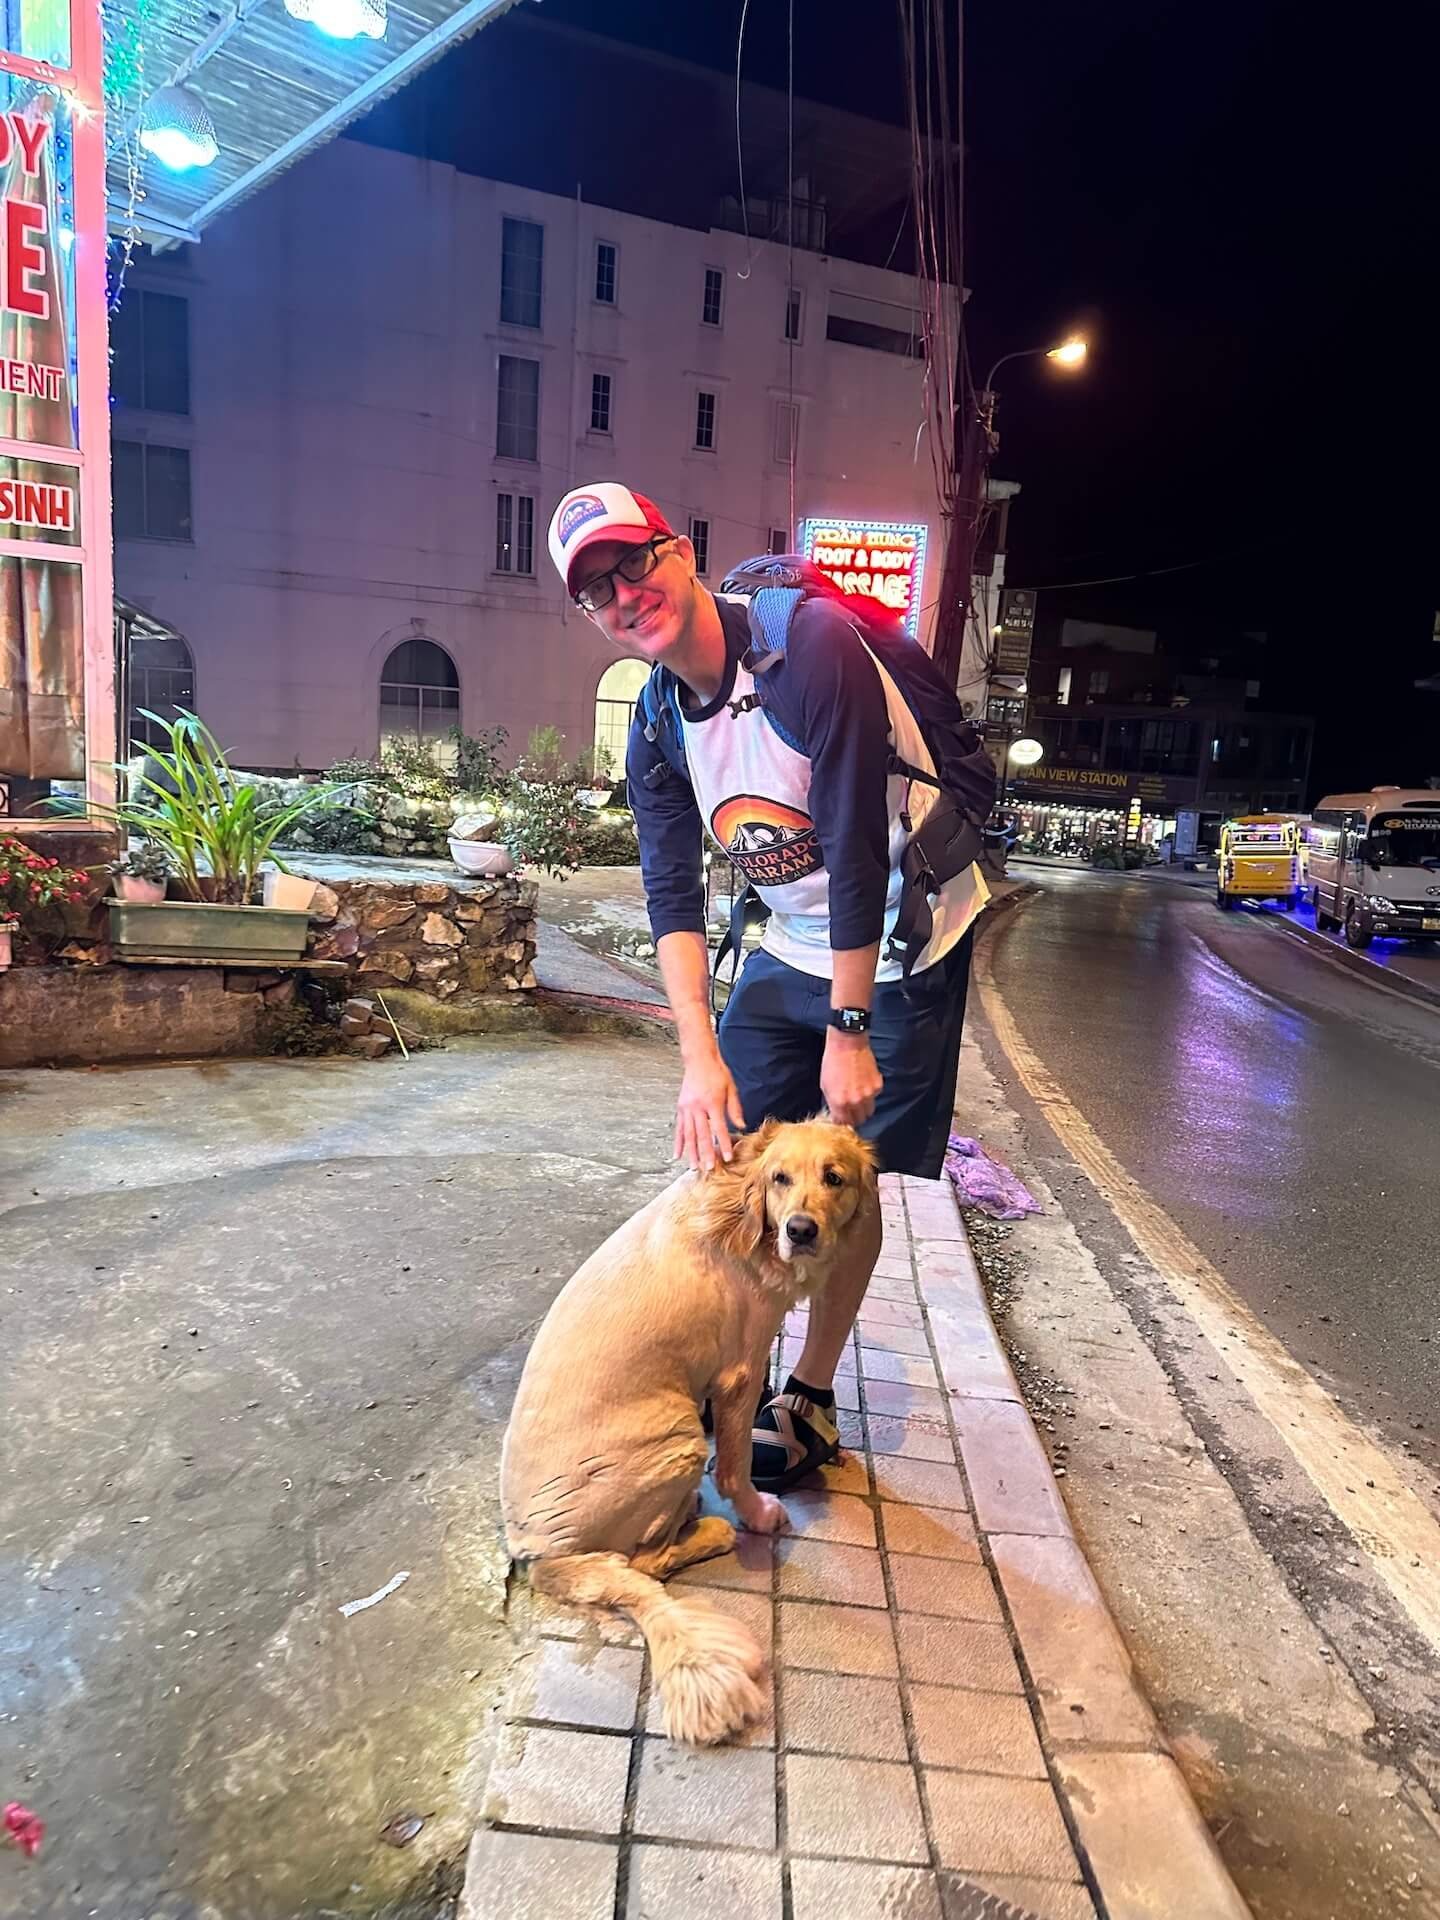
x=216 y=832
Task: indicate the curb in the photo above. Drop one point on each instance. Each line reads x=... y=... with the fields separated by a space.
x=1356 y=963
x=1131 y=1813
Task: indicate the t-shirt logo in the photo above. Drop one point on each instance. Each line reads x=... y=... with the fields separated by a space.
x=769 y=843
x=581 y=511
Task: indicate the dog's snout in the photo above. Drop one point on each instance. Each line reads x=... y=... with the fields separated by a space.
x=801 y=1230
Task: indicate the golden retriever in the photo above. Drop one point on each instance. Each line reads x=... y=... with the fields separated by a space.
x=604 y=1452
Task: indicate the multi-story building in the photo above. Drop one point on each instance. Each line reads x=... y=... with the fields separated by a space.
x=342 y=423
x=1135 y=736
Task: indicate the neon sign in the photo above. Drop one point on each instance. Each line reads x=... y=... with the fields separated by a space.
x=883 y=559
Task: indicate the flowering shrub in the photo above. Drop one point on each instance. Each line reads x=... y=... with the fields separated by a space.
x=29 y=881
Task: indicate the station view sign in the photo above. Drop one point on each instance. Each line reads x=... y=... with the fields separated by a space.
x=883 y=559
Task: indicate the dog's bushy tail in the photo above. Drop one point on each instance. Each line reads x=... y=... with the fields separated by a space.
x=709 y=1670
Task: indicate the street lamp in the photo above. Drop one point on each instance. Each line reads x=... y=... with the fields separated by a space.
x=1071 y=353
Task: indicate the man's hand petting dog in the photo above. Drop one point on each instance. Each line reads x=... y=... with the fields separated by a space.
x=760 y=1512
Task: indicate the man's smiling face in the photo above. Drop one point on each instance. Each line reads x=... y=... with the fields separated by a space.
x=646 y=617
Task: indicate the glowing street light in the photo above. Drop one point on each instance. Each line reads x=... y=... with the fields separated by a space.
x=1069 y=353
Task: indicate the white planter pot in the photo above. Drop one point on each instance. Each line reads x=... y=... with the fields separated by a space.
x=4 y=949
x=147 y=893
x=289 y=890
x=481 y=857
x=593 y=796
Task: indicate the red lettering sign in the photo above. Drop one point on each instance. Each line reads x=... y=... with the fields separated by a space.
x=23 y=258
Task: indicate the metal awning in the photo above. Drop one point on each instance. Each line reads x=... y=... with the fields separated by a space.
x=275 y=87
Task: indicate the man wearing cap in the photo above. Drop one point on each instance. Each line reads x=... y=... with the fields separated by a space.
x=801 y=799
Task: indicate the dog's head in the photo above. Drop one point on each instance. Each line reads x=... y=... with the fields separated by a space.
x=791 y=1191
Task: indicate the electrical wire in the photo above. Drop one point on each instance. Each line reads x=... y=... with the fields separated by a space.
x=1150 y=573
x=744 y=274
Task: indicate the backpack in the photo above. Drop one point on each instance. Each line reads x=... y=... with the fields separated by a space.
x=950 y=839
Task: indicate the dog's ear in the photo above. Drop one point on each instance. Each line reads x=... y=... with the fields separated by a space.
x=734 y=1196
x=864 y=1169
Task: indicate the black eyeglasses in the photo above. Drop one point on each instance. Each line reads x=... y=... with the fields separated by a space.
x=639 y=562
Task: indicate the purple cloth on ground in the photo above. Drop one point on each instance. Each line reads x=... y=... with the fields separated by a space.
x=984 y=1183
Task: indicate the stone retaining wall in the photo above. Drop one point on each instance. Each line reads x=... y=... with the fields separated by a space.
x=436 y=936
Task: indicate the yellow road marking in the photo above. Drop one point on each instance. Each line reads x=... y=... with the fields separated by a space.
x=1389 y=1522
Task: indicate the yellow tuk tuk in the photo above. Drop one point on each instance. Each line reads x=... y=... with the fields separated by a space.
x=1259 y=860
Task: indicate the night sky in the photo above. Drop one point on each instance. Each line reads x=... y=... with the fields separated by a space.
x=1240 y=213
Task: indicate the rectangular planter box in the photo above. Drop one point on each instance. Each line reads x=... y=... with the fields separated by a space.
x=195 y=930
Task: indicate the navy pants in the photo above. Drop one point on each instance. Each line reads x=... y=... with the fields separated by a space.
x=772 y=1037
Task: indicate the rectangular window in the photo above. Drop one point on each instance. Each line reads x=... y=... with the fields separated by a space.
x=152 y=491
x=787 y=431
x=517 y=409
x=857 y=320
x=607 y=260
x=514 y=533
x=792 y=314
x=150 y=342
x=779 y=540
x=700 y=540
x=522 y=249
x=705 y=422
x=713 y=307
x=600 y=403
x=1099 y=681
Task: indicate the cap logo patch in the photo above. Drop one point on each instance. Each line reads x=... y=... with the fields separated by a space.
x=579 y=513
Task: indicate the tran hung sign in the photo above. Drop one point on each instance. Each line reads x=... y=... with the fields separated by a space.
x=882 y=559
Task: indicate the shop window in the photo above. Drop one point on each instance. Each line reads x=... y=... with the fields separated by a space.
x=522 y=255
x=419 y=694
x=151 y=489
x=150 y=352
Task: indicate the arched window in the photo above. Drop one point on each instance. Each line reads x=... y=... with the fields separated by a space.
x=615 y=699
x=419 y=693
x=162 y=680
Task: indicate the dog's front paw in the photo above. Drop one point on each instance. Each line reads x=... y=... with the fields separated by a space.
x=762 y=1513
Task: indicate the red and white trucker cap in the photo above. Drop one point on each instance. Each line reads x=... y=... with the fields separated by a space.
x=606 y=511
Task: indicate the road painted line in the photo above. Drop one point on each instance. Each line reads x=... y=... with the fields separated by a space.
x=1390 y=1523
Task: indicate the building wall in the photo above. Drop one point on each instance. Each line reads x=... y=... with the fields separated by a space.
x=344 y=338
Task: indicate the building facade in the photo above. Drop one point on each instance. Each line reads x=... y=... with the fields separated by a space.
x=341 y=426
x=1134 y=737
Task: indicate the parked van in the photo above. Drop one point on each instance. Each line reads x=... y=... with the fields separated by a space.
x=1374 y=864
x=1259 y=860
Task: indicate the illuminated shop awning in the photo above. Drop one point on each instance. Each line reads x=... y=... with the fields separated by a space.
x=272 y=83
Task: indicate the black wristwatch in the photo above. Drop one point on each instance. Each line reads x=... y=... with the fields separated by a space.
x=850 y=1019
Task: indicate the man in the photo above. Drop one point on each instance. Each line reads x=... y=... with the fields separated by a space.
x=800 y=797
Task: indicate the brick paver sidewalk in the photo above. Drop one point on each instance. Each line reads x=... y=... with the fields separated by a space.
x=955 y=1732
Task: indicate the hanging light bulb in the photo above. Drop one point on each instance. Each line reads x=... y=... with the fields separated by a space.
x=176 y=127
x=342 y=19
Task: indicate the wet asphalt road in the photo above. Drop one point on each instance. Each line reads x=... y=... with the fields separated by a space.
x=1284 y=1113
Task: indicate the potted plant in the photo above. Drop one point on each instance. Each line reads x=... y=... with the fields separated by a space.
x=217 y=832
x=142 y=875
x=31 y=882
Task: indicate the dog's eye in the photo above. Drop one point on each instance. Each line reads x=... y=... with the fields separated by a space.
x=834 y=1179
x=781 y=1179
